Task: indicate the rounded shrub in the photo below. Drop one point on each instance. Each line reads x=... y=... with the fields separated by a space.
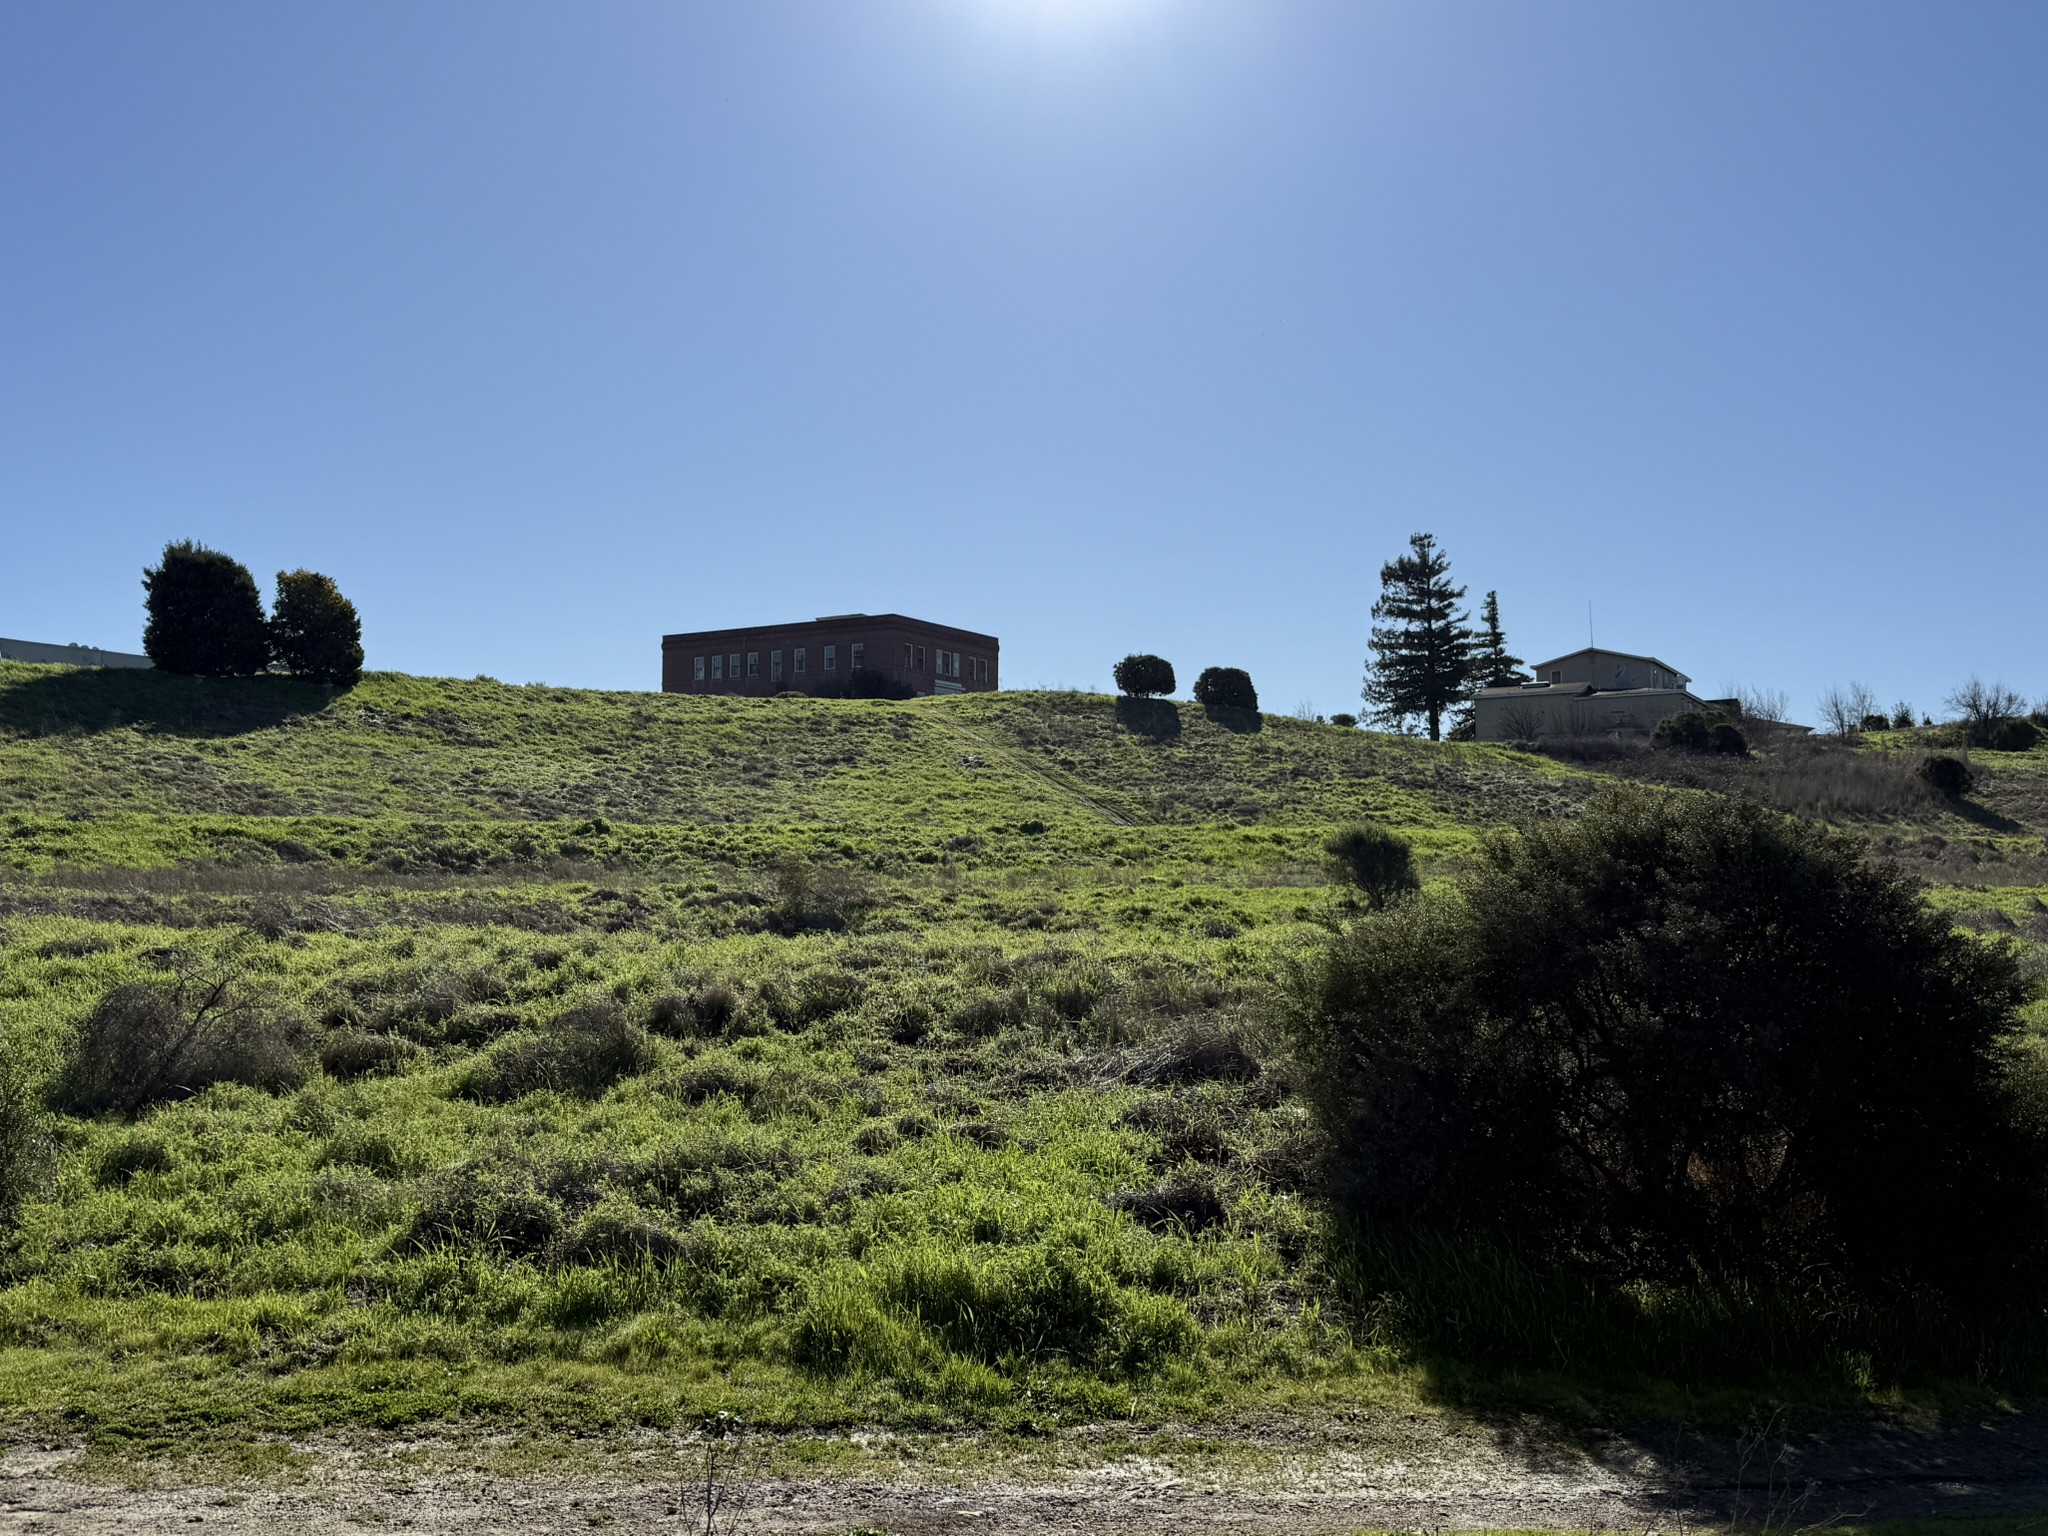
x=205 y=615
x=314 y=630
x=1226 y=688
x=583 y=1052
x=1950 y=777
x=1144 y=677
x=1683 y=1039
x=1686 y=731
x=1874 y=723
x=1726 y=737
x=1378 y=862
x=1348 y=722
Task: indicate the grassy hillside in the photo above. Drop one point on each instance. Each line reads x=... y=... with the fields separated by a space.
x=606 y=1056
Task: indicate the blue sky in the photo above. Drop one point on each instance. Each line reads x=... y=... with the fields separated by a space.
x=1100 y=324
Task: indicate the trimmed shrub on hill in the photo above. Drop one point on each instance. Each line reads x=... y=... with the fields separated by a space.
x=205 y=615
x=1226 y=688
x=1683 y=1041
x=1691 y=731
x=1144 y=677
x=314 y=630
x=1950 y=777
x=1348 y=722
x=1379 y=863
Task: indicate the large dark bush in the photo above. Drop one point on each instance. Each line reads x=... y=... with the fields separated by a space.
x=1682 y=1039
x=314 y=630
x=1226 y=688
x=1950 y=777
x=1378 y=862
x=1144 y=676
x=2014 y=736
x=205 y=616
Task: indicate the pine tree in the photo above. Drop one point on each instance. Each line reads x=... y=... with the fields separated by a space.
x=315 y=632
x=205 y=615
x=1492 y=665
x=1422 y=645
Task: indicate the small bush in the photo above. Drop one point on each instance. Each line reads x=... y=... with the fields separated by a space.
x=706 y=1012
x=1683 y=1039
x=1226 y=688
x=1874 y=722
x=1683 y=732
x=144 y=1043
x=1725 y=736
x=1143 y=677
x=1950 y=777
x=583 y=1052
x=1203 y=1051
x=1191 y=1203
x=347 y=1054
x=1379 y=863
x=493 y=1203
x=1348 y=722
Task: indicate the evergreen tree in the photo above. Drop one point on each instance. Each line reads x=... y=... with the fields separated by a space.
x=1492 y=665
x=314 y=630
x=1142 y=676
x=205 y=615
x=1422 y=645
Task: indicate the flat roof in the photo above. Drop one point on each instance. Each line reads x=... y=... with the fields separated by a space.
x=836 y=621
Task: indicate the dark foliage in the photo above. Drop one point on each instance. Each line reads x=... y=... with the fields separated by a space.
x=314 y=631
x=1950 y=777
x=1690 y=731
x=1226 y=688
x=583 y=1052
x=1378 y=862
x=1493 y=665
x=1682 y=1040
x=865 y=683
x=2019 y=735
x=205 y=615
x=144 y=1043
x=1189 y=1202
x=136 y=1153
x=1422 y=646
x=351 y=1053
x=1874 y=723
x=1204 y=1050
x=1348 y=722
x=1144 y=676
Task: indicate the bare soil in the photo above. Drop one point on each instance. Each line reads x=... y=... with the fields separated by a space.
x=1409 y=1474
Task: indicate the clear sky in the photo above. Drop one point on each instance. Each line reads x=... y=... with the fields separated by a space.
x=1100 y=324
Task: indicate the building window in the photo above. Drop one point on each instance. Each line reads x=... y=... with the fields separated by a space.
x=775 y=665
x=753 y=663
x=907 y=663
x=1557 y=677
x=700 y=669
x=856 y=655
x=718 y=669
x=831 y=658
x=799 y=658
x=732 y=666
x=920 y=658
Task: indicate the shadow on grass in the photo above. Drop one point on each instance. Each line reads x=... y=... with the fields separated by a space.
x=1158 y=719
x=52 y=701
x=1239 y=722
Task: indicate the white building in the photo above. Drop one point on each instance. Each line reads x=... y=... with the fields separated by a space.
x=1587 y=693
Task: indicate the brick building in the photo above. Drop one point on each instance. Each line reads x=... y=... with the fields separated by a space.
x=821 y=655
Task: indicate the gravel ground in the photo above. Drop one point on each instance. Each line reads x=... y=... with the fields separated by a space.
x=1413 y=1475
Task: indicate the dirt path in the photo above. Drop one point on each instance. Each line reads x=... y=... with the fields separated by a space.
x=1416 y=1474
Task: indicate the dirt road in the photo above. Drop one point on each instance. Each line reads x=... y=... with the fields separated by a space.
x=1414 y=1474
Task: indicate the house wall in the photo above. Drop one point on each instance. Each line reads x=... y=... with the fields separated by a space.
x=1524 y=714
x=900 y=648
x=1611 y=670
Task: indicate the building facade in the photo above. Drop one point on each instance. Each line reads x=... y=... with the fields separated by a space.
x=822 y=655
x=1587 y=693
x=69 y=655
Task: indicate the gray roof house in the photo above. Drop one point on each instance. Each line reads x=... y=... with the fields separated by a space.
x=1589 y=692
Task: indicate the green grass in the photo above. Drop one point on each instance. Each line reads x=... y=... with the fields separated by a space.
x=994 y=963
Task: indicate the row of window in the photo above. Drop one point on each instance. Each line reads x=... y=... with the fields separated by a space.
x=722 y=667
x=718 y=669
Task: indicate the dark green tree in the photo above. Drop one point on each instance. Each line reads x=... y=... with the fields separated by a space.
x=205 y=615
x=1144 y=676
x=314 y=631
x=1493 y=666
x=1226 y=688
x=1380 y=863
x=1422 y=645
